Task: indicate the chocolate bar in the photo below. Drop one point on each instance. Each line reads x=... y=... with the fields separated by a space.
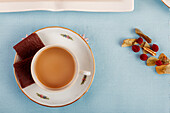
x=23 y=72
x=29 y=46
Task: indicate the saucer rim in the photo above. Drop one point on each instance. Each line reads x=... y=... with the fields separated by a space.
x=92 y=75
x=165 y=3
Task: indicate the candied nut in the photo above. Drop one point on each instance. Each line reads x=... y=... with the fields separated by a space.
x=145 y=44
x=139 y=32
x=153 y=53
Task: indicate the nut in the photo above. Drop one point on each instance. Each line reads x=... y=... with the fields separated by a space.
x=153 y=53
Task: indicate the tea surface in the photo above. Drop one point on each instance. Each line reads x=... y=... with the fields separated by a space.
x=55 y=67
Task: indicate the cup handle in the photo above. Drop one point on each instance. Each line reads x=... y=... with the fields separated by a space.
x=88 y=73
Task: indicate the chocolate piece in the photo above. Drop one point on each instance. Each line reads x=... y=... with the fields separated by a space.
x=29 y=46
x=23 y=72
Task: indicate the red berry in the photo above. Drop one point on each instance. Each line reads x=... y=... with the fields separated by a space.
x=135 y=48
x=155 y=47
x=143 y=57
x=158 y=63
x=139 y=40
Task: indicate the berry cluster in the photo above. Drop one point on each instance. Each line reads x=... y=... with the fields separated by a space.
x=144 y=57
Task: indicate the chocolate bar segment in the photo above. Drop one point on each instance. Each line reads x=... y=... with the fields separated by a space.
x=23 y=72
x=29 y=46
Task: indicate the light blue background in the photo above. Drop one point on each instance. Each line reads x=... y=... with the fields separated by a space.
x=122 y=83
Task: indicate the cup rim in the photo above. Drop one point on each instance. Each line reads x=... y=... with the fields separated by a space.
x=36 y=80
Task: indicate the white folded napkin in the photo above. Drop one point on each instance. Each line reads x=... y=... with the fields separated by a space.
x=67 y=5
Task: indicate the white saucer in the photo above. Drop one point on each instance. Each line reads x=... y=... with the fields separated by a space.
x=80 y=48
x=166 y=2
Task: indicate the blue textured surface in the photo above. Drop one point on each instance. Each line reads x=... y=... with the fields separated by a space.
x=122 y=84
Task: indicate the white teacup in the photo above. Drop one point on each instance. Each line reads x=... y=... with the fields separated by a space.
x=76 y=74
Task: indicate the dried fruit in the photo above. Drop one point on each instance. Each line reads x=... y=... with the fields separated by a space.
x=163 y=69
x=155 y=47
x=151 y=61
x=142 y=45
x=135 y=48
x=139 y=32
x=129 y=42
x=149 y=51
x=139 y=40
x=145 y=44
x=165 y=60
x=143 y=57
x=158 y=63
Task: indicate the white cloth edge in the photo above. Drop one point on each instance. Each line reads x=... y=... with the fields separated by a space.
x=108 y=6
